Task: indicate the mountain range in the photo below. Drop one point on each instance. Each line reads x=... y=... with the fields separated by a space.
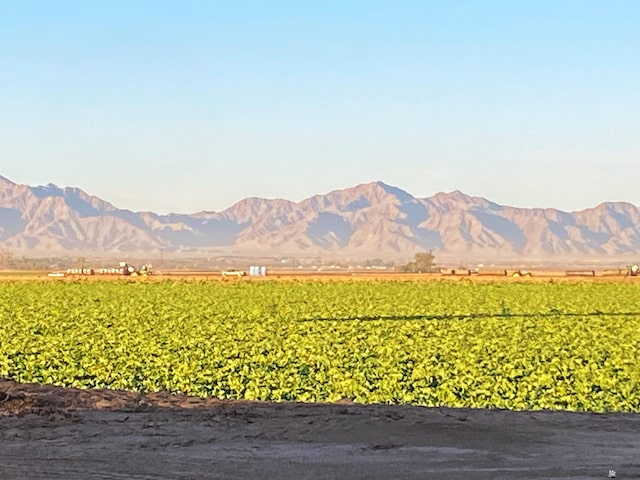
x=372 y=220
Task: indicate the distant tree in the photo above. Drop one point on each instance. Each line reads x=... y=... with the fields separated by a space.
x=25 y=263
x=423 y=262
x=374 y=262
x=6 y=259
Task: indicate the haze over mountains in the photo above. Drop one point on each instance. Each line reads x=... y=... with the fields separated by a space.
x=373 y=220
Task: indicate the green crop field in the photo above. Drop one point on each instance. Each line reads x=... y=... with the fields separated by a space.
x=546 y=345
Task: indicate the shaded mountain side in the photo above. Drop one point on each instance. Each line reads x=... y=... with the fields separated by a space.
x=369 y=219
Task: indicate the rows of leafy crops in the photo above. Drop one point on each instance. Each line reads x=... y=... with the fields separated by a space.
x=505 y=345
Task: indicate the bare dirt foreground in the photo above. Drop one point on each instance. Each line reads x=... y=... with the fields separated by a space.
x=49 y=432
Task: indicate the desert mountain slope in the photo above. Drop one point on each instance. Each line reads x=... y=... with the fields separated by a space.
x=373 y=219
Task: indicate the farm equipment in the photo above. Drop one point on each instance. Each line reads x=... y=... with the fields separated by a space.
x=131 y=270
x=521 y=273
x=125 y=269
x=80 y=271
x=233 y=273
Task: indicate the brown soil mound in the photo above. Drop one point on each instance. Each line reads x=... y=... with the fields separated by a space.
x=30 y=398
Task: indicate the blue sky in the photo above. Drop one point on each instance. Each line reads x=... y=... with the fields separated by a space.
x=185 y=106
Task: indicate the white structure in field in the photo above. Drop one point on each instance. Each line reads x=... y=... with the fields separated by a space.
x=258 y=271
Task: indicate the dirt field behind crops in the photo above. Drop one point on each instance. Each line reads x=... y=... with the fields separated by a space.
x=294 y=275
x=52 y=433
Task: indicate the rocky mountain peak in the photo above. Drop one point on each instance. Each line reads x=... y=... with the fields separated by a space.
x=369 y=220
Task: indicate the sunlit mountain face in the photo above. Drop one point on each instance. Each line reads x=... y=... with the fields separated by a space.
x=368 y=220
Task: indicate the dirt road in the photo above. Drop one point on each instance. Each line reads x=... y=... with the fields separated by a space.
x=47 y=432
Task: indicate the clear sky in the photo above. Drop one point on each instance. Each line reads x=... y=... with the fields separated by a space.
x=182 y=106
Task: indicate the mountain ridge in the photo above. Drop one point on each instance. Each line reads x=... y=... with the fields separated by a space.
x=370 y=219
